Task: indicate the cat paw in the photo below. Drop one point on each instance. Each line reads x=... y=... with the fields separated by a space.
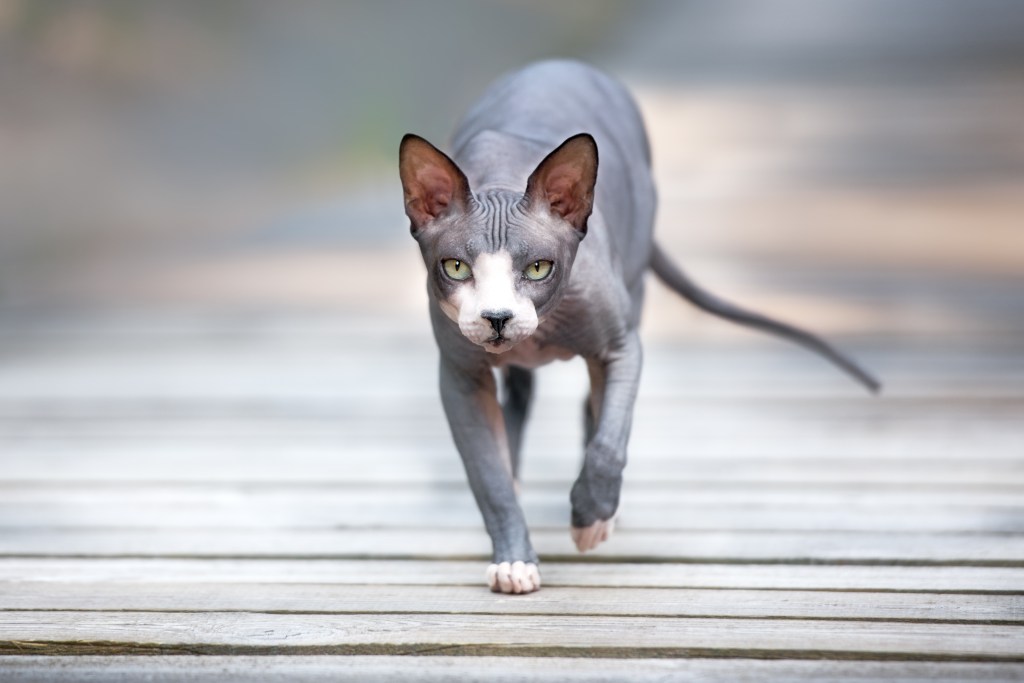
x=589 y=537
x=513 y=577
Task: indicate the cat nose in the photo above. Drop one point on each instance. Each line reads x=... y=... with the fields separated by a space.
x=497 y=319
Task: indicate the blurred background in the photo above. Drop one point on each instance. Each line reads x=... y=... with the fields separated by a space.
x=857 y=164
x=200 y=211
x=212 y=313
x=214 y=342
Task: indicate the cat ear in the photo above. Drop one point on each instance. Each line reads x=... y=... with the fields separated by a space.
x=432 y=183
x=564 y=181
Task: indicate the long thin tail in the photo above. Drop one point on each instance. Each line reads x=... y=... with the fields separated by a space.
x=677 y=280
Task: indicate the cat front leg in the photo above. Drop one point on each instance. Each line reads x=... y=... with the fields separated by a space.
x=469 y=397
x=614 y=380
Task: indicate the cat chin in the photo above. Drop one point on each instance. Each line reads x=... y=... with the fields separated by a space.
x=502 y=347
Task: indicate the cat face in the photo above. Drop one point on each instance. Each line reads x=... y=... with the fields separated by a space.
x=499 y=269
x=498 y=261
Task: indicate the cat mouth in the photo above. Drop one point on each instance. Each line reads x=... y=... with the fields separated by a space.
x=497 y=344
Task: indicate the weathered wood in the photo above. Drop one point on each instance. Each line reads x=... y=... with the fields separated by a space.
x=355 y=543
x=224 y=633
x=691 y=456
x=111 y=416
x=441 y=669
x=340 y=599
x=691 y=417
x=446 y=572
x=687 y=432
x=388 y=462
x=455 y=508
x=769 y=494
x=313 y=386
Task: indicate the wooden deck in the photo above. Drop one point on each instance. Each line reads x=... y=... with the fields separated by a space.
x=259 y=497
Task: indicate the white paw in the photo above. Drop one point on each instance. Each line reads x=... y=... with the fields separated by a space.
x=589 y=537
x=513 y=577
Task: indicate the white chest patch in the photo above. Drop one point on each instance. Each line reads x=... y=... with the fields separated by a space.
x=530 y=354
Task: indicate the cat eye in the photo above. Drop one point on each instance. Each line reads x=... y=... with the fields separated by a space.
x=538 y=270
x=456 y=269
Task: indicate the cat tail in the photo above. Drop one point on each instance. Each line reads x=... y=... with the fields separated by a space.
x=679 y=282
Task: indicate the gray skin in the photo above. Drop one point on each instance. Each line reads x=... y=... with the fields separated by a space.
x=493 y=195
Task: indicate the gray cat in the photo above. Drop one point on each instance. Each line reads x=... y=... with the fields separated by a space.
x=532 y=256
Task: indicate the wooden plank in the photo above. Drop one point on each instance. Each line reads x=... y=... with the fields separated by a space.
x=388 y=462
x=726 y=494
x=422 y=411
x=441 y=669
x=1008 y=580
x=802 y=430
x=243 y=375
x=247 y=373
x=681 y=546
x=726 y=360
x=687 y=417
x=315 y=415
x=341 y=599
x=426 y=508
x=654 y=444
x=228 y=633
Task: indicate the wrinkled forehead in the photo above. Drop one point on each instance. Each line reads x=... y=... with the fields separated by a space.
x=500 y=222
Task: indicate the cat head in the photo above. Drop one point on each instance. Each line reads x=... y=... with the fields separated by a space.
x=498 y=261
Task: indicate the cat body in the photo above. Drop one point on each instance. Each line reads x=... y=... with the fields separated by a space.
x=537 y=234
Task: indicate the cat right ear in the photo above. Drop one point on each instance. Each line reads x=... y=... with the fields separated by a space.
x=564 y=181
x=432 y=183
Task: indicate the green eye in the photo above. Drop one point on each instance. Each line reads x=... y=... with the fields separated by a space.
x=456 y=269
x=538 y=270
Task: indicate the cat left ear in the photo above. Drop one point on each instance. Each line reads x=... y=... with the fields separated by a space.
x=432 y=183
x=564 y=181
